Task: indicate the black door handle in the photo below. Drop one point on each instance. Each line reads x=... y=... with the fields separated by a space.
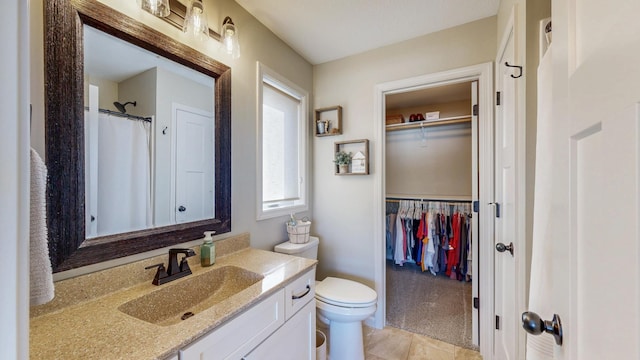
x=182 y=208
x=502 y=247
x=534 y=325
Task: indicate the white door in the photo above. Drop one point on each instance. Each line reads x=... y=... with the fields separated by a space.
x=475 y=292
x=194 y=163
x=595 y=262
x=506 y=321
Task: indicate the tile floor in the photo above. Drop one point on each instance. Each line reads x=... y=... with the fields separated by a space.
x=395 y=344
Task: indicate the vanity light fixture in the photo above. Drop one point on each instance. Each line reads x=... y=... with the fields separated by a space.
x=159 y=8
x=230 y=38
x=192 y=20
x=195 y=21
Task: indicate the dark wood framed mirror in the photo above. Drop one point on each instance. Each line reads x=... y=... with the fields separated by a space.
x=64 y=134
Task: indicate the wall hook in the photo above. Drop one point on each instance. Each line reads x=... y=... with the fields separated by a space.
x=164 y=131
x=514 y=66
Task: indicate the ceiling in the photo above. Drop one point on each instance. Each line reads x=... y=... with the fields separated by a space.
x=110 y=58
x=325 y=30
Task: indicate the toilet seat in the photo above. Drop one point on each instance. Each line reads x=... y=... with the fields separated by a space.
x=345 y=293
x=342 y=313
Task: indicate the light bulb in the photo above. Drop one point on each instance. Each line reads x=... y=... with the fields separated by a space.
x=158 y=8
x=195 y=21
x=230 y=38
x=228 y=42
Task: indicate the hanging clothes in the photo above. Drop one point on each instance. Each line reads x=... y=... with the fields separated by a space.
x=390 y=234
x=436 y=236
x=398 y=256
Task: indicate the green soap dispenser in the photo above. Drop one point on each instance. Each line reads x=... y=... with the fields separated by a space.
x=208 y=250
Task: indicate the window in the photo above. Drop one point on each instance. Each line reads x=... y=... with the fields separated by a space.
x=282 y=145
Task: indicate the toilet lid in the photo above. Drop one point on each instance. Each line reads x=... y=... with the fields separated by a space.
x=343 y=292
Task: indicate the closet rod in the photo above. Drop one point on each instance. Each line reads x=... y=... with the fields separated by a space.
x=396 y=199
x=428 y=123
x=119 y=114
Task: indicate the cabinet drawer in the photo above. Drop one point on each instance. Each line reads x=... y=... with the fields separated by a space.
x=245 y=332
x=300 y=292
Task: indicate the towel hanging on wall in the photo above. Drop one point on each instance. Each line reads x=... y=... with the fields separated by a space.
x=41 y=277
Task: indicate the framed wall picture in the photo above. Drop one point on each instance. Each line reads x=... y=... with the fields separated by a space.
x=351 y=157
x=328 y=121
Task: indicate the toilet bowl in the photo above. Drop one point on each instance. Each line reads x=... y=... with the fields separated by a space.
x=342 y=304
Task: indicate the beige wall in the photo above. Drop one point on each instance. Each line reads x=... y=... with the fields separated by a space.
x=438 y=166
x=258 y=44
x=107 y=92
x=343 y=205
x=140 y=88
x=430 y=162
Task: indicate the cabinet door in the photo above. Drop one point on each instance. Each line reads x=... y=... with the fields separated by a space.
x=241 y=334
x=295 y=340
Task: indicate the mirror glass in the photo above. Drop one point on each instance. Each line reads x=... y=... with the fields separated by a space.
x=122 y=184
x=149 y=136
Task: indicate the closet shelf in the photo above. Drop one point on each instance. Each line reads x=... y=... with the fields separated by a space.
x=426 y=123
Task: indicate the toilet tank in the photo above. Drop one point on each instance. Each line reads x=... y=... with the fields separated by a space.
x=307 y=250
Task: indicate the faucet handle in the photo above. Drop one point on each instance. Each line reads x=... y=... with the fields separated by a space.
x=184 y=266
x=160 y=274
x=160 y=266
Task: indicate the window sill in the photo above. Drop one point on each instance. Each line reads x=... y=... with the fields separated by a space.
x=270 y=214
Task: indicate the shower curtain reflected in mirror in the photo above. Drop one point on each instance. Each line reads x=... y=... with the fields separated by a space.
x=118 y=186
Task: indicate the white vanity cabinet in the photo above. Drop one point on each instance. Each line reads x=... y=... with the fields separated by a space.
x=295 y=340
x=281 y=326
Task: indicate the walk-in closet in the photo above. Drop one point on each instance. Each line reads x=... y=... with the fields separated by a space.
x=431 y=179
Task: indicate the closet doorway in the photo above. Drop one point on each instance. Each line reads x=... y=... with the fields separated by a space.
x=435 y=152
x=430 y=186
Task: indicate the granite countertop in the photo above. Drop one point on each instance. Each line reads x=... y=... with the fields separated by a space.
x=94 y=328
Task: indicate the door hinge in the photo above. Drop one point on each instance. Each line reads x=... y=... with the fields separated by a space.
x=475 y=110
x=498 y=97
x=476 y=206
x=497 y=322
x=476 y=303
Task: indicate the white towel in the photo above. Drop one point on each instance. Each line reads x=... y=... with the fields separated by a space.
x=545 y=219
x=41 y=277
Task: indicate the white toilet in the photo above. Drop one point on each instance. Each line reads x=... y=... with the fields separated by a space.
x=342 y=303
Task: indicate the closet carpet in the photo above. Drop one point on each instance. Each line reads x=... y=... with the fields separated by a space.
x=435 y=306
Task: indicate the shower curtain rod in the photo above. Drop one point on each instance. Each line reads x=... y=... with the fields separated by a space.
x=119 y=114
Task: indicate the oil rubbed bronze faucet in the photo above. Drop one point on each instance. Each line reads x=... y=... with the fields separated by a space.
x=176 y=271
